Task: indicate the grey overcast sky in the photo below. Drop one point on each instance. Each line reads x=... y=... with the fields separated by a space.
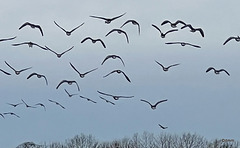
x=198 y=102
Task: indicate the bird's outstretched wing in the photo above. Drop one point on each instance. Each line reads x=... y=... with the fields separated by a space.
x=228 y=39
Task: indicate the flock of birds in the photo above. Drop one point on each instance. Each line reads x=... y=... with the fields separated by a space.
x=102 y=96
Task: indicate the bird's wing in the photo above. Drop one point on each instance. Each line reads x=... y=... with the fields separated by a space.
x=87 y=38
x=179 y=21
x=224 y=71
x=125 y=35
x=118 y=16
x=128 y=21
x=67 y=92
x=228 y=39
x=101 y=42
x=171 y=31
x=173 y=43
x=120 y=59
x=32 y=74
x=187 y=25
x=2 y=115
x=40 y=46
x=157 y=28
x=193 y=45
x=110 y=73
x=146 y=102
x=67 y=50
x=111 y=31
x=109 y=56
x=8 y=39
x=45 y=79
x=47 y=48
x=59 y=26
x=76 y=27
x=159 y=64
x=98 y=17
x=77 y=85
x=160 y=102
x=63 y=81
x=105 y=94
x=25 y=24
x=173 y=65
x=90 y=71
x=5 y=72
x=126 y=76
x=210 y=68
x=165 y=22
x=39 y=27
x=74 y=68
x=25 y=69
x=201 y=31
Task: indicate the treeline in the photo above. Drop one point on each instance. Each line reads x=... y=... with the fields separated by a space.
x=145 y=140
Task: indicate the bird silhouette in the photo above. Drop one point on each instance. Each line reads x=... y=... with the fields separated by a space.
x=40 y=104
x=237 y=38
x=11 y=113
x=217 y=71
x=173 y=25
x=134 y=23
x=113 y=56
x=87 y=99
x=163 y=35
x=17 y=72
x=7 y=39
x=166 y=68
x=119 y=72
x=2 y=115
x=5 y=72
x=59 y=55
x=69 y=83
x=114 y=96
x=106 y=100
x=14 y=105
x=108 y=20
x=32 y=26
x=28 y=106
x=82 y=75
x=193 y=29
x=119 y=31
x=153 y=106
x=56 y=103
x=163 y=127
x=68 y=33
x=94 y=41
x=183 y=44
x=70 y=95
x=38 y=76
x=30 y=45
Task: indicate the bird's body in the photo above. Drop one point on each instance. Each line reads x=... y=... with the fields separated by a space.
x=108 y=20
x=113 y=56
x=38 y=76
x=69 y=83
x=115 y=97
x=237 y=39
x=56 y=103
x=166 y=68
x=217 y=71
x=154 y=106
x=94 y=41
x=59 y=55
x=163 y=34
x=193 y=29
x=118 y=72
x=17 y=72
x=183 y=44
x=32 y=26
x=134 y=23
x=82 y=75
x=119 y=31
x=173 y=25
x=68 y=33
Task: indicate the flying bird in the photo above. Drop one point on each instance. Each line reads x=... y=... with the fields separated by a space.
x=11 y=113
x=237 y=38
x=82 y=75
x=153 y=106
x=194 y=29
x=38 y=76
x=5 y=72
x=107 y=100
x=40 y=104
x=184 y=44
x=17 y=72
x=113 y=57
x=108 y=20
x=7 y=39
x=163 y=34
x=114 y=96
x=134 y=23
x=217 y=71
x=68 y=33
x=32 y=26
x=56 y=103
x=119 y=72
x=59 y=55
x=14 y=105
x=70 y=95
x=119 y=31
x=69 y=83
x=94 y=41
x=30 y=45
x=166 y=68
x=173 y=25
x=87 y=99
x=28 y=106
x=163 y=127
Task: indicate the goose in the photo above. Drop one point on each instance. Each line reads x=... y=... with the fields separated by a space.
x=119 y=72
x=14 y=105
x=163 y=127
x=94 y=41
x=114 y=96
x=32 y=26
x=153 y=106
x=183 y=44
x=30 y=45
x=38 y=76
x=113 y=56
x=82 y=75
x=193 y=29
x=68 y=33
x=11 y=113
x=166 y=68
x=28 y=106
x=17 y=72
x=119 y=31
x=108 y=20
x=237 y=39
x=59 y=55
x=217 y=71
x=69 y=83
x=173 y=25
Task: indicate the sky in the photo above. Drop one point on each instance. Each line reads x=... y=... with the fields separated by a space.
x=198 y=102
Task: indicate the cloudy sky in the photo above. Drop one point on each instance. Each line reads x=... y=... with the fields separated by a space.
x=198 y=102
